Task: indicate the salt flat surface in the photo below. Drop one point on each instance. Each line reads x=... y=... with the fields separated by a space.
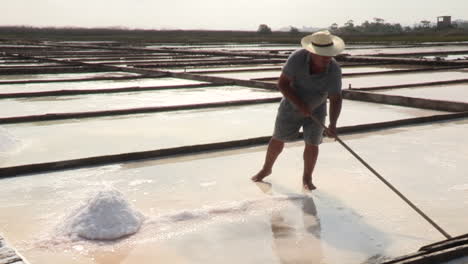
x=455 y=93
x=27 y=64
x=112 y=101
x=362 y=69
x=39 y=87
x=8 y=142
x=248 y=75
x=384 y=50
x=204 y=208
x=59 y=76
x=449 y=57
x=399 y=79
x=229 y=47
x=172 y=59
x=276 y=73
x=121 y=134
x=215 y=68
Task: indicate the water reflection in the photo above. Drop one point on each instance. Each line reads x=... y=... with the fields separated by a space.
x=115 y=256
x=296 y=231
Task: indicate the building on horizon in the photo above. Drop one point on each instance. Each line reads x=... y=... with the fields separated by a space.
x=444 y=22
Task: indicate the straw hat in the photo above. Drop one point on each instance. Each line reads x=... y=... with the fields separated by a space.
x=323 y=43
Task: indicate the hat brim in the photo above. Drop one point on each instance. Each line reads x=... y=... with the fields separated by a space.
x=337 y=47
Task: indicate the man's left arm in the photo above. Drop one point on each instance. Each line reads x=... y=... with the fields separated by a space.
x=335 y=110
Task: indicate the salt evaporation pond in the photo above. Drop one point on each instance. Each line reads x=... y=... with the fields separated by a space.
x=276 y=73
x=26 y=64
x=41 y=87
x=248 y=75
x=400 y=79
x=159 y=60
x=396 y=50
x=58 y=76
x=8 y=142
x=111 y=135
x=454 y=93
x=194 y=215
x=199 y=69
x=113 y=101
x=449 y=57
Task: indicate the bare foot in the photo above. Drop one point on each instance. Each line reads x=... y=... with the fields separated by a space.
x=309 y=186
x=260 y=175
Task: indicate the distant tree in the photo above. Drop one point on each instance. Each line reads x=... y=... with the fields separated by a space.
x=461 y=24
x=349 y=24
x=397 y=28
x=293 y=30
x=425 y=23
x=334 y=27
x=348 y=27
x=264 y=29
x=365 y=25
x=376 y=27
x=378 y=20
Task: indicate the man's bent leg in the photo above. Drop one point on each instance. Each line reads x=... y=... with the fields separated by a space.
x=310 y=158
x=274 y=149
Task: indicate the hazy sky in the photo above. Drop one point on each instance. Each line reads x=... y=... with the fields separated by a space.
x=221 y=14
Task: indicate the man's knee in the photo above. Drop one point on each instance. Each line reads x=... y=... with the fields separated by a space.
x=276 y=144
x=311 y=147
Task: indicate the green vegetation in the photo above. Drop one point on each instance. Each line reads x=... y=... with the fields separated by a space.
x=192 y=37
x=264 y=29
x=379 y=27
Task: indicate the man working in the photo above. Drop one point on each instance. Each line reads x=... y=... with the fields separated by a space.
x=308 y=78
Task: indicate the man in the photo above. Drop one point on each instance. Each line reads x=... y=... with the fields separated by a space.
x=308 y=78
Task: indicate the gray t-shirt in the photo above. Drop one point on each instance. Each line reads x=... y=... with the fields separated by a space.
x=312 y=88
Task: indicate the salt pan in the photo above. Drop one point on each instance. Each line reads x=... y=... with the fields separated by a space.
x=8 y=142
x=106 y=216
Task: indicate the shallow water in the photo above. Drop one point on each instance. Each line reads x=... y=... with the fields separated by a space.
x=40 y=87
x=113 y=101
x=111 y=135
x=204 y=209
x=394 y=50
x=400 y=79
x=449 y=57
x=276 y=73
x=27 y=64
x=454 y=93
x=60 y=76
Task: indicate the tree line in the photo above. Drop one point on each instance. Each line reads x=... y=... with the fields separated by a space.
x=380 y=26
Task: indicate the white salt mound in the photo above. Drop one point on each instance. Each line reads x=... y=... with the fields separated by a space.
x=106 y=216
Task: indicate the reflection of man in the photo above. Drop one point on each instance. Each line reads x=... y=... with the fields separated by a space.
x=296 y=230
x=309 y=77
x=294 y=244
x=114 y=256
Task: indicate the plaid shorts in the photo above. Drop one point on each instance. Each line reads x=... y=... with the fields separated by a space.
x=289 y=121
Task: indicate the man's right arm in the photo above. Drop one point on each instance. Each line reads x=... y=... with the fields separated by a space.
x=287 y=89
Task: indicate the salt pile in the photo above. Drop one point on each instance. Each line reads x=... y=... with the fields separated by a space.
x=106 y=216
x=8 y=142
